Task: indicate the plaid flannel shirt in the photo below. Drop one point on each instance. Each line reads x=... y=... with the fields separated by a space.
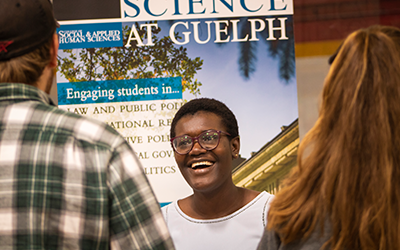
x=69 y=182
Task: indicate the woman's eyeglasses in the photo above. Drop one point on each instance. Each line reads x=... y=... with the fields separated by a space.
x=208 y=140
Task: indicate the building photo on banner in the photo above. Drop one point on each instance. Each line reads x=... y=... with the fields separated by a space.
x=133 y=64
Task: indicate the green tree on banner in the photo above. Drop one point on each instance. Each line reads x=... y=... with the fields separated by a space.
x=164 y=59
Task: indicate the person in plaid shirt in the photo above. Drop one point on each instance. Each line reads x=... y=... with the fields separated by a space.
x=66 y=181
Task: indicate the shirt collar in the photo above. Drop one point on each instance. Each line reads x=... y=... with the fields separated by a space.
x=20 y=91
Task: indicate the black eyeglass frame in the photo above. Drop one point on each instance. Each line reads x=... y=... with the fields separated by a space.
x=219 y=132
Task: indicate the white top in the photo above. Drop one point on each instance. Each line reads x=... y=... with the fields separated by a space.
x=240 y=230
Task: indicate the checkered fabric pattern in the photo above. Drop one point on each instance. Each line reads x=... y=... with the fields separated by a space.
x=69 y=182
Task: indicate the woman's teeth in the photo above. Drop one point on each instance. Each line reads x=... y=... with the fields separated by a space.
x=202 y=163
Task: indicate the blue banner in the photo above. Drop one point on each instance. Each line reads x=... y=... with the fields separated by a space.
x=119 y=90
x=95 y=35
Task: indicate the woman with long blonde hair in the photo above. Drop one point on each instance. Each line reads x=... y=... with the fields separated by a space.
x=345 y=192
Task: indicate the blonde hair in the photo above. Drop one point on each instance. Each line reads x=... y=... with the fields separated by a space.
x=348 y=171
x=26 y=68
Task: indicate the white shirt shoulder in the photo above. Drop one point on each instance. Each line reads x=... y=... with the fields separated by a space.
x=240 y=230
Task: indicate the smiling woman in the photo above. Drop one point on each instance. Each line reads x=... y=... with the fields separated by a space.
x=218 y=215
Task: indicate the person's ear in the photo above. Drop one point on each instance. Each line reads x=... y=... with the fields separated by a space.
x=54 y=52
x=235 y=146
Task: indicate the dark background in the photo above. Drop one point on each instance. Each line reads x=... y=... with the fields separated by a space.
x=86 y=9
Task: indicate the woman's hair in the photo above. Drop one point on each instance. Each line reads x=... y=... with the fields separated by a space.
x=348 y=172
x=26 y=68
x=209 y=105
